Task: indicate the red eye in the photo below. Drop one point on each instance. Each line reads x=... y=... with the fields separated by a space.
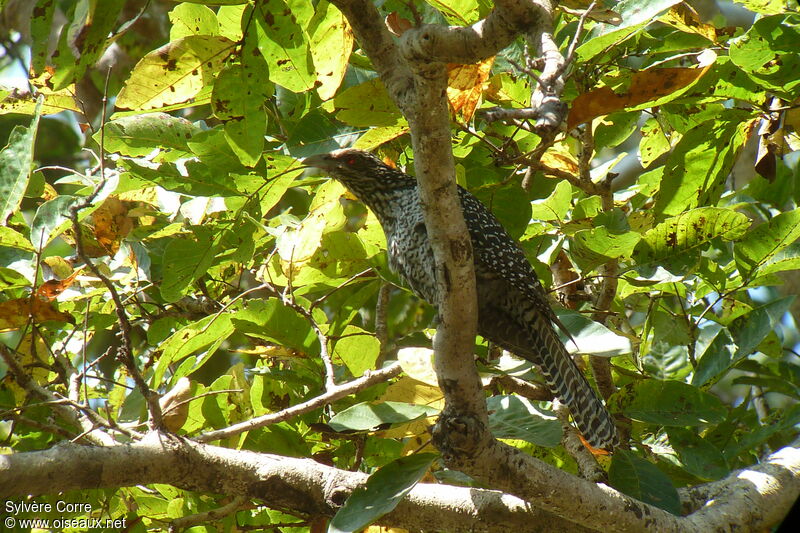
x=351 y=161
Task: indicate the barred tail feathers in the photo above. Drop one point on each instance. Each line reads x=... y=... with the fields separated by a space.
x=570 y=386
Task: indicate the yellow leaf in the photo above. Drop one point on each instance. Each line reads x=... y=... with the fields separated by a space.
x=175 y=72
x=465 y=85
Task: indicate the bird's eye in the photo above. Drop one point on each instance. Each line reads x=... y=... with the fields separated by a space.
x=351 y=161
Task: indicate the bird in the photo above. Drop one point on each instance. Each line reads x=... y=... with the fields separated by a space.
x=513 y=311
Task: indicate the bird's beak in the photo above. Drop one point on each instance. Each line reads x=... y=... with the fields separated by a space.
x=317 y=165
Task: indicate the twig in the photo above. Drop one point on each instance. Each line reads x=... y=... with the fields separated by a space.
x=574 y=44
x=185 y=522
x=331 y=395
x=125 y=352
x=288 y=301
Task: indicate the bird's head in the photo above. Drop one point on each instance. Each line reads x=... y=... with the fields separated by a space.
x=358 y=170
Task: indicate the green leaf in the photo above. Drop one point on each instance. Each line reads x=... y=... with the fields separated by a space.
x=185 y=260
x=140 y=135
x=192 y=19
x=654 y=142
x=699 y=457
x=511 y=208
x=205 y=334
x=176 y=72
x=593 y=247
x=382 y=492
x=16 y=160
x=367 y=104
x=238 y=99
x=642 y=480
x=763 y=244
x=635 y=15
x=41 y=20
x=14 y=239
x=716 y=357
x=367 y=417
x=272 y=321
x=768 y=52
x=689 y=230
x=283 y=41
x=358 y=350
x=752 y=328
x=698 y=165
x=458 y=12
x=555 y=206
x=512 y=417
x=672 y=403
x=87 y=36
x=766 y=7
x=592 y=338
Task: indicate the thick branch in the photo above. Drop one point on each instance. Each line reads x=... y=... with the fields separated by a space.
x=300 y=485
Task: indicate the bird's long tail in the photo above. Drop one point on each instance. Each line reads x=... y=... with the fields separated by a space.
x=567 y=382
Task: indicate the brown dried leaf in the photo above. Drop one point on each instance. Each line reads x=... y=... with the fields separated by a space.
x=396 y=24
x=685 y=18
x=111 y=224
x=15 y=314
x=645 y=86
x=50 y=290
x=465 y=84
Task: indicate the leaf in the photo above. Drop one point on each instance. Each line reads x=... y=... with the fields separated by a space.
x=458 y=12
x=367 y=104
x=187 y=258
x=357 y=349
x=685 y=18
x=175 y=72
x=690 y=230
x=512 y=417
x=766 y=7
x=592 y=338
x=272 y=321
x=716 y=358
x=641 y=479
x=750 y=329
x=763 y=244
x=634 y=15
x=645 y=86
x=192 y=19
x=768 y=53
x=87 y=36
x=205 y=334
x=16 y=161
x=698 y=165
x=41 y=20
x=699 y=457
x=238 y=99
x=417 y=363
x=367 y=416
x=465 y=85
x=140 y=135
x=654 y=142
x=14 y=239
x=282 y=39
x=672 y=403
x=331 y=45
x=382 y=492
x=593 y=247
x=555 y=206
x=15 y=314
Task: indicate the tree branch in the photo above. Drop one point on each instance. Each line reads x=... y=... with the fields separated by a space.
x=301 y=485
x=331 y=395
